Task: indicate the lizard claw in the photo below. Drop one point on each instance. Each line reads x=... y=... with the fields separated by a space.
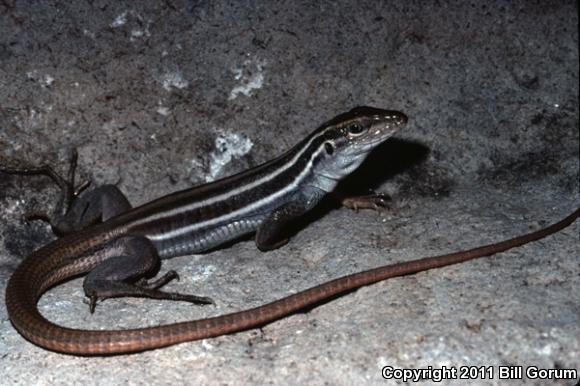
x=79 y=189
x=92 y=303
x=32 y=216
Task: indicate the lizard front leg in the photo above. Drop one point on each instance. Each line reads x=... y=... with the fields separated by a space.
x=273 y=232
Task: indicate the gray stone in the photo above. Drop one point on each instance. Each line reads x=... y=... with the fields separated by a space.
x=158 y=96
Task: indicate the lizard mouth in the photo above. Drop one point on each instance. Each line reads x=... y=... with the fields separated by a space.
x=378 y=135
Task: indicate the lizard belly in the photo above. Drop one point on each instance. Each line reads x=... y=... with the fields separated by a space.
x=206 y=239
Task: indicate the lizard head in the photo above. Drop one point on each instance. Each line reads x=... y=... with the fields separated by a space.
x=345 y=141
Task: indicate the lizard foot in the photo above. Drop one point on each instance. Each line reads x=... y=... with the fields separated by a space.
x=67 y=186
x=371 y=201
x=142 y=288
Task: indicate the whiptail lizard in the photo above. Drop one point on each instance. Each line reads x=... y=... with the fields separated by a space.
x=118 y=246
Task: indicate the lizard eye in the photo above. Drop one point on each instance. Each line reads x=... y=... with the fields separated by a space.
x=329 y=148
x=355 y=129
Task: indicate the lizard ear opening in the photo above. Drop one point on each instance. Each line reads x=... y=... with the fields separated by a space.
x=329 y=148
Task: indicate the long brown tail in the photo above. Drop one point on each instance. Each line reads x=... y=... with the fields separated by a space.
x=21 y=303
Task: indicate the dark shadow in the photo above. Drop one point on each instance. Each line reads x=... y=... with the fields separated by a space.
x=389 y=159
x=386 y=161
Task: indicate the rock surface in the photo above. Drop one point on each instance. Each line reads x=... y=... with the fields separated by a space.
x=159 y=96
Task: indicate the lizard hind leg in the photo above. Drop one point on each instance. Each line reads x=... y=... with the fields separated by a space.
x=66 y=185
x=75 y=211
x=126 y=262
x=97 y=205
